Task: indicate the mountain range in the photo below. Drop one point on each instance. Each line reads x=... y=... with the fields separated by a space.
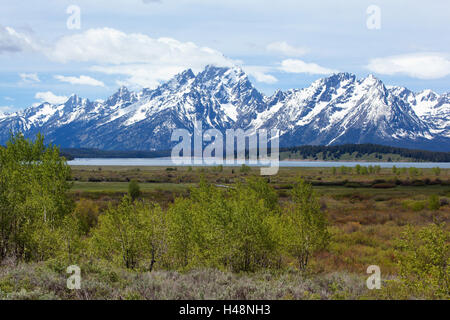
x=335 y=110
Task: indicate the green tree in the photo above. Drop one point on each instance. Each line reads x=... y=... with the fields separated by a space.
x=180 y=233
x=223 y=228
x=131 y=234
x=413 y=171
x=303 y=227
x=436 y=171
x=134 y=191
x=86 y=212
x=434 y=202
x=394 y=170
x=33 y=197
x=424 y=261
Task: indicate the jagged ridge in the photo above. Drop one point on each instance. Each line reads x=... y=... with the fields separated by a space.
x=335 y=110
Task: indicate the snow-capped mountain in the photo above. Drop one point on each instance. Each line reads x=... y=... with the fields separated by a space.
x=334 y=110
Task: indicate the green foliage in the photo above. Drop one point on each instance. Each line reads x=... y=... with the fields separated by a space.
x=369 y=150
x=33 y=199
x=434 y=203
x=303 y=228
x=413 y=172
x=131 y=234
x=134 y=191
x=86 y=212
x=244 y=168
x=436 y=171
x=345 y=170
x=230 y=229
x=364 y=170
x=415 y=206
x=424 y=262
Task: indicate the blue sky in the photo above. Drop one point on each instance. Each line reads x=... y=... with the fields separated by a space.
x=282 y=44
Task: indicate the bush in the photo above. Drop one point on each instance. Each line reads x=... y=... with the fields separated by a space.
x=245 y=169
x=302 y=229
x=134 y=191
x=434 y=203
x=86 y=212
x=424 y=262
x=132 y=235
x=436 y=171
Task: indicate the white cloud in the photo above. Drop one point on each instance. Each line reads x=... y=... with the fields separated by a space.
x=5 y=109
x=81 y=80
x=285 y=49
x=299 y=66
x=29 y=77
x=261 y=73
x=140 y=75
x=145 y=61
x=416 y=65
x=50 y=97
x=13 y=41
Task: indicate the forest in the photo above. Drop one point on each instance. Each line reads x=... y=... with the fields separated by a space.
x=362 y=152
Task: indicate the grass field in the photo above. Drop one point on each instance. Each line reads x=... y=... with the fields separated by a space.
x=366 y=212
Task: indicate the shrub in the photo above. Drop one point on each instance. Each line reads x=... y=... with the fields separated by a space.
x=131 y=234
x=434 y=203
x=424 y=262
x=302 y=229
x=86 y=212
x=134 y=191
x=436 y=171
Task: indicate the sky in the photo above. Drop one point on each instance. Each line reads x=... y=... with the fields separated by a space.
x=54 y=48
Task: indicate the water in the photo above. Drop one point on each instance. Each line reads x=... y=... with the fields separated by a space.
x=167 y=162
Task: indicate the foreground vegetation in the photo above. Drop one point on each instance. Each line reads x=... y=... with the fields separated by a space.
x=219 y=233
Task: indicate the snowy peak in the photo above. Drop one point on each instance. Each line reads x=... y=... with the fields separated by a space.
x=123 y=97
x=333 y=110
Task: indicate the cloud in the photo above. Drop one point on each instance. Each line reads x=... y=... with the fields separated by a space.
x=6 y=109
x=416 y=65
x=144 y=60
x=13 y=41
x=261 y=73
x=285 y=49
x=50 y=97
x=29 y=77
x=299 y=66
x=81 y=80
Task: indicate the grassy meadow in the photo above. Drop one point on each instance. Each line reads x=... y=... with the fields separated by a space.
x=219 y=232
x=366 y=212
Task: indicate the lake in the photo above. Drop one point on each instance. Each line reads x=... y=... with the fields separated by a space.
x=167 y=162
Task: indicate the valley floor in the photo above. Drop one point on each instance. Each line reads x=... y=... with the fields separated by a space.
x=366 y=212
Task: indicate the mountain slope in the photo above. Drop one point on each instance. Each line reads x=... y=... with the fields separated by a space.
x=334 y=110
